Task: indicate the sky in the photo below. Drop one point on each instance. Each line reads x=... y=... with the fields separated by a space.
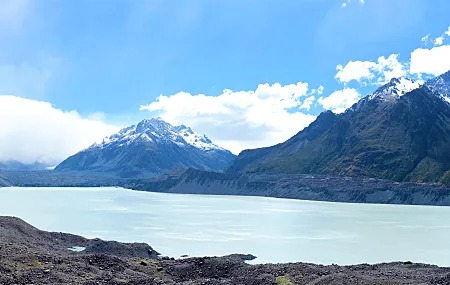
x=246 y=73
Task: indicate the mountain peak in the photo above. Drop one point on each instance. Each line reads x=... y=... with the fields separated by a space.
x=440 y=85
x=395 y=88
x=151 y=147
x=156 y=130
x=153 y=123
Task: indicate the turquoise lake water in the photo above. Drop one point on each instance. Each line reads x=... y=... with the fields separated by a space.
x=275 y=230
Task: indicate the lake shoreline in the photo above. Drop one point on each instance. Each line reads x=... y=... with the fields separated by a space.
x=203 y=225
x=310 y=187
x=32 y=256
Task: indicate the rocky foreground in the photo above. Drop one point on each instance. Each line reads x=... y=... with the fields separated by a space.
x=32 y=256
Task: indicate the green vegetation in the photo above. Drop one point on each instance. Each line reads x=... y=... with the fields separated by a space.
x=36 y=262
x=283 y=280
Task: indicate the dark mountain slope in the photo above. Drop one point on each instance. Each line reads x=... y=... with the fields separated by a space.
x=391 y=134
x=252 y=157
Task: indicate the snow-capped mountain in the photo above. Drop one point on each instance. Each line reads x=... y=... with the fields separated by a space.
x=159 y=131
x=149 y=148
x=395 y=88
x=389 y=92
x=440 y=85
x=401 y=132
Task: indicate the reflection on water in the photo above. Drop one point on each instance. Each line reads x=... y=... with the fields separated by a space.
x=275 y=230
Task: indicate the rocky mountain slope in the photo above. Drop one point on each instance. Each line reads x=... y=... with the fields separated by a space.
x=32 y=256
x=400 y=132
x=149 y=148
x=297 y=186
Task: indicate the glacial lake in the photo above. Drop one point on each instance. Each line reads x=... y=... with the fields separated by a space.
x=275 y=230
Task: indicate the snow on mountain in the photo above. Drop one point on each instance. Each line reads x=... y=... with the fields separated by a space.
x=149 y=149
x=440 y=85
x=158 y=131
x=394 y=89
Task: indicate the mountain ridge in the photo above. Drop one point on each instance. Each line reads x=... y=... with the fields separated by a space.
x=398 y=134
x=149 y=148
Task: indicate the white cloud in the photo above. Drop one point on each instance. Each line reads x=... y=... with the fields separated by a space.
x=36 y=131
x=384 y=69
x=389 y=68
x=344 y=5
x=239 y=120
x=318 y=90
x=426 y=39
x=340 y=100
x=307 y=103
x=439 y=41
x=355 y=70
x=433 y=61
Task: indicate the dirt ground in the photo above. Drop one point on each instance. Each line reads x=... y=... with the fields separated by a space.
x=30 y=256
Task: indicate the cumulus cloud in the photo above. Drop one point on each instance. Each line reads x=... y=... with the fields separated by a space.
x=307 y=103
x=239 y=120
x=389 y=68
x=439 y=41
x=36 y=131
x=339 y=100
x=355 y=70
x=384 y=69
x=433 y=61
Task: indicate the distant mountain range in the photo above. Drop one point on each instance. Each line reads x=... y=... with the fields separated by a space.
x=12 y=164
x=148 y=149
x=400 y=132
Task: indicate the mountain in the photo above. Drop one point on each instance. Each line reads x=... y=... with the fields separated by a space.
x=400 y=132
x=147 y=149
x=12 y=164
x=440 y=85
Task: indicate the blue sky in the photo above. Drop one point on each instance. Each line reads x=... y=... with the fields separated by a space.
x=104 y=59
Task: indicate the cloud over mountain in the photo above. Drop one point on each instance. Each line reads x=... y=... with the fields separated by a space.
x=241 y=119
x=37 y=131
